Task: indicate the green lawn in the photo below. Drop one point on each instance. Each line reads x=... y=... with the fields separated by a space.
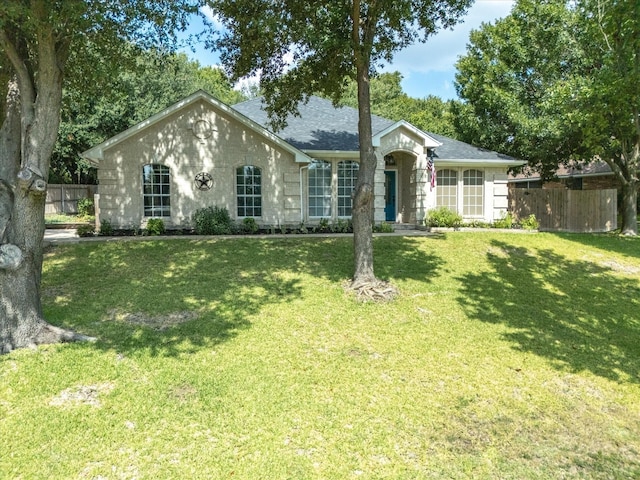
x=505 y=356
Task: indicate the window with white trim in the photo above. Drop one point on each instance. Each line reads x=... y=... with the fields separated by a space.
x=249 y=191
x=156 y=190
x=447 y=189
x=347 y=177
x=472 y=193
x=320 y=189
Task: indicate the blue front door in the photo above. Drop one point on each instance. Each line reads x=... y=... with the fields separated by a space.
x=390 y=196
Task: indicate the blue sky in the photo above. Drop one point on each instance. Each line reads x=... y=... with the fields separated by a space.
x=427 y=68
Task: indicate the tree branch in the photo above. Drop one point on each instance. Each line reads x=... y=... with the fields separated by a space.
x=25 y=84
x=355 y=31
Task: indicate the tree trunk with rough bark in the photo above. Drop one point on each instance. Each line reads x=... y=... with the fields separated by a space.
x=362 y=215
x=628 y=208
x=27 y=137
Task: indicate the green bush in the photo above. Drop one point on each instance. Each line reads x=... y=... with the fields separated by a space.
x=86 y=230
x=212 y=221
x=442 y=217
x=86 y=207
x=249 y=225
x=323 y=226
x=530 y=223
x=342 y=226
x=505 y=222
x=155 y=226
x=478 y=224
x=383 y=228
x=106 y=228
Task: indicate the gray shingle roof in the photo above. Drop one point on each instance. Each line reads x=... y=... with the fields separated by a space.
x=456 y=150
x=321 y=126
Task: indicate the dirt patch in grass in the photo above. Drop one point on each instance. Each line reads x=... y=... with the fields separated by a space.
x=183 y=392
x=82 y=395
x=621 y=267
x=155 y=322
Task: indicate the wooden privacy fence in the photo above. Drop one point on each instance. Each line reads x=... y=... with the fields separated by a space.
x=567 y=210
x=64 y=198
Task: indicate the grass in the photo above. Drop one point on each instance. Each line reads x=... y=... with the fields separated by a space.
x=506 y=356
x=58 y=218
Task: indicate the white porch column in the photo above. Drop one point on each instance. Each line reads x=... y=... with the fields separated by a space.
x=378 y=189
x=421 y=182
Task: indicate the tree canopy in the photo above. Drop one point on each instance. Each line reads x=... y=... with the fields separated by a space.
x=388 y=100
x=558 y=82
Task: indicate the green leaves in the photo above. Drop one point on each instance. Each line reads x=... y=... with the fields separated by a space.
x=304 y=48
x=147 y=82
x=555 y=82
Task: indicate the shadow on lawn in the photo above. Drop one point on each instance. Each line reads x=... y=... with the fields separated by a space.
x=147 y=295
x=577 y=314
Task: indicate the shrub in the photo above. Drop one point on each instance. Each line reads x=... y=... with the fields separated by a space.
x=212 y=221
x=530 y=223
x=323 y=226
x=505 y=222
x=478 y=224
x=342 y=226
x=249 y=225
x=155 y=226
x=442 y=217
x=383 y=228
x=86 y=230
x=86 y=207
x=106 y=228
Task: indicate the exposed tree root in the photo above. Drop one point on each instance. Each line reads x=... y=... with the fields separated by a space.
x=50 y=334
x=47 y=335
x=373 y=291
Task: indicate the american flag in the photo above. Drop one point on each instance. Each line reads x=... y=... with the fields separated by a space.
x=431 y=168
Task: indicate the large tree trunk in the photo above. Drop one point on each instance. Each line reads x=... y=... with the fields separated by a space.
x=625 y=169
x=27 y=137
x=364 y=194
x=629 y=208
x=362 y=211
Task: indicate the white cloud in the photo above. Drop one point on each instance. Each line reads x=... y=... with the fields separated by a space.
x=213 y=18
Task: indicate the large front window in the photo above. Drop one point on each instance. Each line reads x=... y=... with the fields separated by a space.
x=249 y=191
x=447 y=189
x=473 y=193
x=320 y=189
x=156 y=190
x=347 y=176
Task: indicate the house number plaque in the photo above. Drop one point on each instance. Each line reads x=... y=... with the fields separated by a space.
x=203 y=181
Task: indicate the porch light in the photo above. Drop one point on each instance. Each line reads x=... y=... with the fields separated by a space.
x=389 y=160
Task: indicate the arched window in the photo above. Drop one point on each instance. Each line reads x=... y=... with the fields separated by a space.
x=249 y=191
x=447 y=189
x=347 y=176
x=320 y=189
x=156 y=190
x=473 y=193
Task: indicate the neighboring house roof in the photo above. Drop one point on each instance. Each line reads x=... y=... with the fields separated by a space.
x=95 y=154
x=593 y=169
